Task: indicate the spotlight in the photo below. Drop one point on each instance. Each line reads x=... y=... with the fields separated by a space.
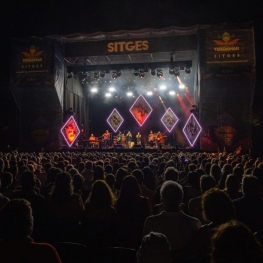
x=96 y=76
x=187 y=70
x=70 y=75
x=153 y=72
x=172 y=92
x=102 y=74
x=136 y=73
x=159 y=74
x=114 y=75
x=129 y=93
x=93 y=90
x=181 y=86
x=107 y=95
x=142 y=75
x=149 y=93
x=111 y=89
x=163 y=87
x=177 y=73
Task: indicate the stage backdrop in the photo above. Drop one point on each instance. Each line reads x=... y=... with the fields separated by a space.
x=37 y=82
x=227 y=85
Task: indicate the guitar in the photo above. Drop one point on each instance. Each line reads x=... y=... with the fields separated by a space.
x=105 y=136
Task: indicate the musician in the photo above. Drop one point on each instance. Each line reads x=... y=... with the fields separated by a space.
x=119 y=138
x=159 y=138
x=92 y=140
x=106 y=139
x=151 y=138
x=129 y=138
x=138 y=138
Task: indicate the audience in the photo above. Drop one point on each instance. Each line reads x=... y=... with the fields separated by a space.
x=16 y=245
x=233 y=242
x=155 y=248
x=121 y=191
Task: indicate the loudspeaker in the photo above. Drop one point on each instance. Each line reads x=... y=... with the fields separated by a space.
x=137 y=146
x=118 y=146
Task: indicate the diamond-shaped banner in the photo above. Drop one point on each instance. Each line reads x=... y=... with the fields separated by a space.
x=169 y=119
x=115 y=120
x=141 y=110
x=70 y=131
x=192 y=129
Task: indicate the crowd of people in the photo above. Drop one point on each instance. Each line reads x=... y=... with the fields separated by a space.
x=165 y=206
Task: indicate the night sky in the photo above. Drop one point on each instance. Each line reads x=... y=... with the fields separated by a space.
x=41 y=18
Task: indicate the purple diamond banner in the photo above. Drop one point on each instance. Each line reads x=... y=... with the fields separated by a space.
x=192 y=129
x=169 y=119
x=115 y=120
x=141 y=110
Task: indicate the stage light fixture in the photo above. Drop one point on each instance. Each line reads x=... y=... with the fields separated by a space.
x=118 y=73
x=142 y=75
x=172 y=92
x=136 y=73
x=107 y=95
x=187 y=70
x=171 y=71
x=177 y=73
x=114 y=75
x=153 y=72
x=102 y=74
x=163 y=87
x=96 y=76
x=159 y=74
x=129 y=93
x=70 y=75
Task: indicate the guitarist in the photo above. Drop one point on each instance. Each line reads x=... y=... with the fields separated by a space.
x=159 y=138
x=106 y=139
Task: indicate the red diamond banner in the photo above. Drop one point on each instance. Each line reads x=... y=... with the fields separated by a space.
x=70 y=131
x=141 y=110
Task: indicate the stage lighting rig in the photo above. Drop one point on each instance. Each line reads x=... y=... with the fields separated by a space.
x=142 y=75
x=171 y=71
x=136 y=73
x=96 y=76
x=187 y=70
x=102 y=74
x=159 y=74
x=177 y=72
x=114 y=75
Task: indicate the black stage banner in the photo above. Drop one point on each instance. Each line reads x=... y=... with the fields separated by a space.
x=32 y=62
x=229 y=46
x=128 y=46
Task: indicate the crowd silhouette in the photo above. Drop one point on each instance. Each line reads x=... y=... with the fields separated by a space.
x=131 y=207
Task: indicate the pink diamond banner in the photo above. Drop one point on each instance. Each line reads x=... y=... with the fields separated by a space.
x=141 y=110
x=192 y=129
x=115 y=120
x=169 y=119
x=70 y=131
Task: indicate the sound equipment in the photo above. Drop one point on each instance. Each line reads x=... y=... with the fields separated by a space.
x=137 y=146
x=118 y=146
